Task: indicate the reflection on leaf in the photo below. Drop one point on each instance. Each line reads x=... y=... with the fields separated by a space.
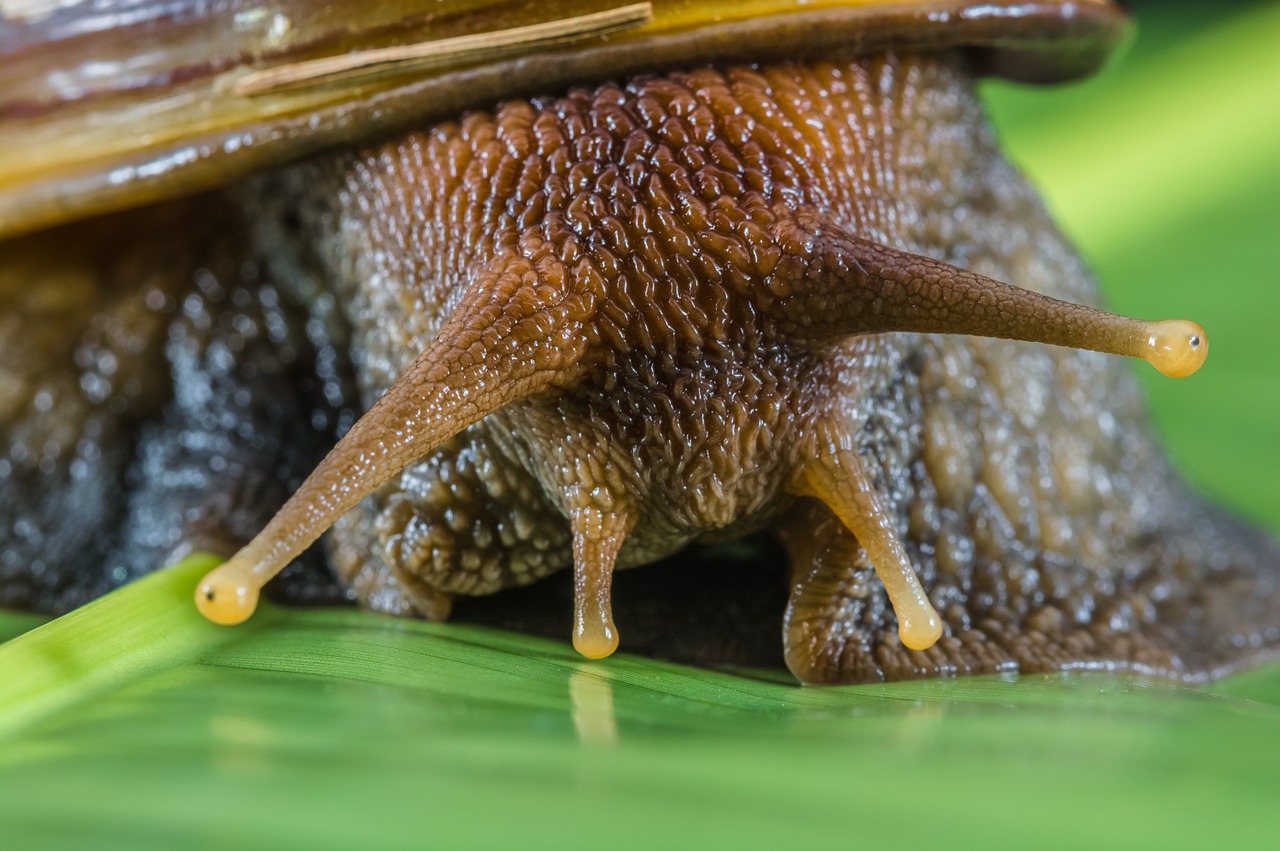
x=338 y=729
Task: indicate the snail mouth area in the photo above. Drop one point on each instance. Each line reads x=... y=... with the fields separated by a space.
x=728 y=613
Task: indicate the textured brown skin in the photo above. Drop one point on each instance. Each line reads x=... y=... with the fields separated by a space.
x=1041 y=516
x=683 y=378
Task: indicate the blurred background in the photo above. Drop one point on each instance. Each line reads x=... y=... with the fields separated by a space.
x=1165 y=171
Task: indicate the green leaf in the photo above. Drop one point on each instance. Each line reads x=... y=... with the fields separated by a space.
x=130 y=633
x=337 y=729
x=16 y=623
x=1164 y=171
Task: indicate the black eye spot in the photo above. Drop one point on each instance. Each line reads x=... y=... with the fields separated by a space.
x=209 y=595
x=1195 y=341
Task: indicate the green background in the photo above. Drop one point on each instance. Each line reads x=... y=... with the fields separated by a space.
x=133 y=724
x=1165 y=171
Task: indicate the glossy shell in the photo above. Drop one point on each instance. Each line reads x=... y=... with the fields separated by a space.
x=90 y=123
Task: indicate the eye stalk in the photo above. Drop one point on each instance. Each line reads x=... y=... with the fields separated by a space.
x=502 y=344
x=228 y=596
x=849 y=286
x=1176 y=347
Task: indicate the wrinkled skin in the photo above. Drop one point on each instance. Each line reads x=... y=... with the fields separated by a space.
x=1037 y=509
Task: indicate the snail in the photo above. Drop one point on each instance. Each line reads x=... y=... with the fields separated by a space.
x=612 y=280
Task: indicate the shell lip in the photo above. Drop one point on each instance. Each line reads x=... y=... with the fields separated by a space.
x=118 y=144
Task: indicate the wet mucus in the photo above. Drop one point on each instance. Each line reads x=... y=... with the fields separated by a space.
x=179 y=369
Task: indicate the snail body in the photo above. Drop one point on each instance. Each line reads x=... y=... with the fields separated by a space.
x=592 y=329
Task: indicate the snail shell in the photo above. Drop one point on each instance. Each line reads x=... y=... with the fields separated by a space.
x=594 y=328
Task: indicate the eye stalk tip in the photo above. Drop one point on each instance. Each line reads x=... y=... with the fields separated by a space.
x=1176 y=347
x=225 y=600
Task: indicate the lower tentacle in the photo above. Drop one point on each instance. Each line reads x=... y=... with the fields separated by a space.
x=597 y=536
x=835 y=475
